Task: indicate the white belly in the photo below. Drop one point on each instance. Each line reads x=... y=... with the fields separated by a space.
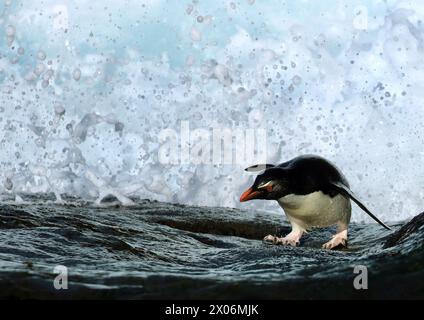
x=316 y=209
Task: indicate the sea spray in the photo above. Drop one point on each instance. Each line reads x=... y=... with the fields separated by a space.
x=86 y=90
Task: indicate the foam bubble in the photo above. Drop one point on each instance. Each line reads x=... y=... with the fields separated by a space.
x=59 y=110
x=41 y=55
x=10 y=31
x=76 y=74
x=195 y=34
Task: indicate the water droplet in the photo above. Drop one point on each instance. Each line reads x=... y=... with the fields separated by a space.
x=30 y=76
x=49 y=73
x=195 y=35
x=76 y=74
x=39 y=69
x=189 y=9
x=59 y=110
x=41 y=55
x=8 y=184
x=10 y=31
x=297 y=80
x=119 y=126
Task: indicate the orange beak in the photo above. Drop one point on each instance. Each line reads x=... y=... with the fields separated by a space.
x=249 y=194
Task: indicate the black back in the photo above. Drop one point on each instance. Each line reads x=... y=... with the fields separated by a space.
x=310 y=173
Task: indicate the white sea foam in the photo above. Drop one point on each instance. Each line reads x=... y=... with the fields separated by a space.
x=87 y=87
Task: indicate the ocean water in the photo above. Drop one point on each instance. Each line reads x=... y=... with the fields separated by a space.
x=88 y=90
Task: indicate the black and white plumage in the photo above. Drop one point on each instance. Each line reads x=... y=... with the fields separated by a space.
x=312 y=192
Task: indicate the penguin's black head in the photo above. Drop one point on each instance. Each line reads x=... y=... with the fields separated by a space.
x=272 y=184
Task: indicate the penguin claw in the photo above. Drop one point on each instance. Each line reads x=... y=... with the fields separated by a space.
x=287 y=242
x=338 y=241
x=270 y=238
x=335 y=243
x=281 y=241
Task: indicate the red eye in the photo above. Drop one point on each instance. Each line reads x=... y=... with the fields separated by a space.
x=269 y=188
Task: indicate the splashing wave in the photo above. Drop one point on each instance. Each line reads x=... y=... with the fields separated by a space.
x=86 y=88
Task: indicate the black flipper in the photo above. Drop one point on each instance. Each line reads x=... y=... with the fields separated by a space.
x=259 y=167
x=347 y=192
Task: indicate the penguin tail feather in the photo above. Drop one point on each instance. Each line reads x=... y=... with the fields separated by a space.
x=347 y=192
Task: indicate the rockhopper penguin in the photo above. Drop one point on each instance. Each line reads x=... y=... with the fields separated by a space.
x=312 y=192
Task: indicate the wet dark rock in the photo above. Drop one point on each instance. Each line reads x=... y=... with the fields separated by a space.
x=15 y=218
x=161 y=250
x=405 y=231
x=249 y=229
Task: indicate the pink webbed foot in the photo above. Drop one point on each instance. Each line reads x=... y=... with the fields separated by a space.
x=292 y=239
x=338 y=240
